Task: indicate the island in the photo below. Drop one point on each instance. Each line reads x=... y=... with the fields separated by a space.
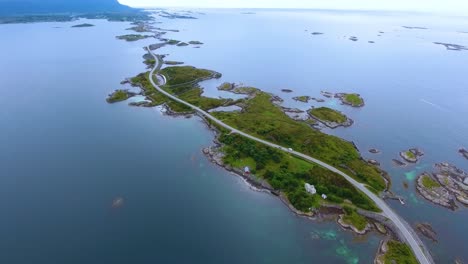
x=412 y=155
x=317 y=33
x=330 y=117
x=195 y=42
x=82 y=25
x=133 y=37
x=374 y=151
x=352 y=38
x=351 y=99
x=445 y=186
x=182 y=44
x=286 y=90
x=303 y=98
x=120 y=95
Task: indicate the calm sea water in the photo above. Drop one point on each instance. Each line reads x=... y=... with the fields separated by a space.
x=416 y=92
x=66 y=155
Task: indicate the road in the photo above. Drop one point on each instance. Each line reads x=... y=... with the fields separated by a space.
x=386 y=210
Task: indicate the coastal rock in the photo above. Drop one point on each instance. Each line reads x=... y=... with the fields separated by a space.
x=317 y=33
x=156 y=46
x=398 y=163
x=120 y=95
x=326 y=94
x=434 y=192
x=454 y=180
x=351 y=99
x=464 y=152
x=374 y=151
x=318 y=100
x=286 y=90
x=353 y=228
x=412 y=155
x=303 y=98
x=374 y=162
x=426 y=230
x=353 y=38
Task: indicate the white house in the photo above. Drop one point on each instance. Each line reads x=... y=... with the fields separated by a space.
x=324 y=196
x=310 y=188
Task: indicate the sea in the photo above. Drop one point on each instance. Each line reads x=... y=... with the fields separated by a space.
x=84 y=181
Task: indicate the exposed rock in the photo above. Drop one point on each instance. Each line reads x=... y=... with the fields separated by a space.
x=412 y=155
x=318 y=100
x=438 y=195
x=349 y=226
x=398 y=162
x=374 y=151
x=353 y=38
x=426 y=230
x=286 y=90
x=374 y=162
x=304 y=99
x=464 y=152
x=317 y=33
x=414 y=27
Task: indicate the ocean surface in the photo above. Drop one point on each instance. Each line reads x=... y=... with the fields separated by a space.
x=66 y=155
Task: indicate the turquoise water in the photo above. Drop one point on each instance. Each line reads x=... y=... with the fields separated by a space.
x=83 y=181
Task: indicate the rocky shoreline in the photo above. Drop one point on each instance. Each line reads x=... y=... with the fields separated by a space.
x=347 y=123
x=412 y=155
x=463 y=152
x=445 y=187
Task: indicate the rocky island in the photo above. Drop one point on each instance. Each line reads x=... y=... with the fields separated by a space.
x=330 y=117
x=464 y=152
x=303 y=98
x=412 y=155
x=120 y=95
x=351 y=99
x=133 y=37
x=82 y=25
x=445 y=186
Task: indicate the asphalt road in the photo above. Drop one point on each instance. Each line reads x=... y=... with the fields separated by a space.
x=386 y=210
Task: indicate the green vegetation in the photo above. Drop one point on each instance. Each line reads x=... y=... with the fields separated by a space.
x=173 y=42
x=195 y=42
x=429 y=183
x=83 y=25
x=118 y=95
x=353 y=99
x=351 y=217
x=288 y=174
x=182 y=44
x=173 y=62
x=261 y=118
x=302 y=98
x=410 y=154
x=399 y=253
x=133 y=37
x=328 y=114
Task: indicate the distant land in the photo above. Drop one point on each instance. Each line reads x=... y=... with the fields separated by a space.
x=27 y=7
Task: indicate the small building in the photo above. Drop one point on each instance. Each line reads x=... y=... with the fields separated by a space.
x=310 y=188
x=324 y=196
x=246 y=170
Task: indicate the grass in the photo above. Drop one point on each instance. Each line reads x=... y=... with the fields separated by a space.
x=399 y=253
x=351 y=217
x=302 y=98
x=83 y=25
x=353 y=99
x=410 y=154
x=289 y=174
x=117 y=96
x=133 y=37
x=429 y=183
x=328 y=114
x=261 y=118
x=173 y=42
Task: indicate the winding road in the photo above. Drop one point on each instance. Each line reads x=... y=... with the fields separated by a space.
x=404 y=228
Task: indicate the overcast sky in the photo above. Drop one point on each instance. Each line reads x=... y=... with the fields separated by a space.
x=445 y=6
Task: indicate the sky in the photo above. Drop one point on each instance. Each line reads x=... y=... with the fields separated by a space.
x=443 y=6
